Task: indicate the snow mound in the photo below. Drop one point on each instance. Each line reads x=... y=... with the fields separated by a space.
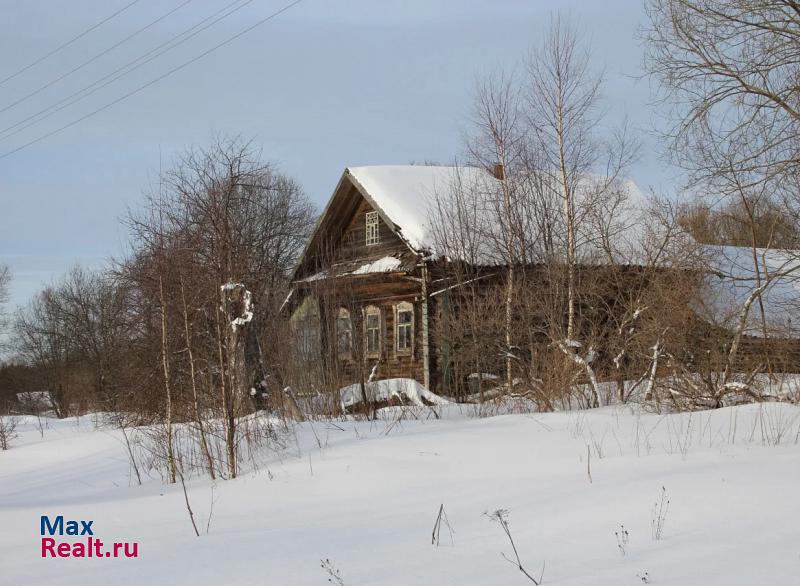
x=404 y=390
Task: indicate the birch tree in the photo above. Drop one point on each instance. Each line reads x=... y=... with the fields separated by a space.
x=581 y=168
x=497 y=146
x=5 y=283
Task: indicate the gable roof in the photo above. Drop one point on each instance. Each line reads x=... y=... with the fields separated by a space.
x=401 y=194
x=404 y=194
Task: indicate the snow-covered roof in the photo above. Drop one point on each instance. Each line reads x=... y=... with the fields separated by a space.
x=405 y=196
x=733 y=278
x=386 y=264
x=404 y=193
x=622 y=220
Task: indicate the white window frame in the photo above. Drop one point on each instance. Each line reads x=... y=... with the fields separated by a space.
x=373 y=231
x=344 y=314
x=403 y=307
x=371 y=310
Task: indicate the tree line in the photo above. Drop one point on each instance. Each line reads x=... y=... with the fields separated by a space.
x=167 y=333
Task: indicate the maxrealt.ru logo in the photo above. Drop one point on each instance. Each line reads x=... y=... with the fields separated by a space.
x=87 y=547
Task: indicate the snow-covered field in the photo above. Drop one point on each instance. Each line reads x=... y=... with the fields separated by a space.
x=366 y=496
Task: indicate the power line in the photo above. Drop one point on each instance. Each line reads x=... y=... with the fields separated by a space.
x=95 y=58
x=131 y=66
x=67 y=44
x=155 y=80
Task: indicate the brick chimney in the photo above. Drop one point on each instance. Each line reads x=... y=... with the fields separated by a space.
x=499 y=171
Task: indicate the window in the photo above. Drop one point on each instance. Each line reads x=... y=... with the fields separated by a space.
x=372 y=330
x=404 y=328
x=308 y=339
x=373 y=233
x=306 y=330
x=344 y=333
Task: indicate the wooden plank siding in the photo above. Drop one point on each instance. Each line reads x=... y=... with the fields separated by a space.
x=384 y=292
x=338 y=250
x=345 y=249
x=353 y=242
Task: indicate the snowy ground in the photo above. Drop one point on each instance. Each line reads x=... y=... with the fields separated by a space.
x=368 y=498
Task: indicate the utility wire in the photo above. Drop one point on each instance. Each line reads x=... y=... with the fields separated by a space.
x=95 y=58
x=67 y=44
x=120 y=72
x=154 y=80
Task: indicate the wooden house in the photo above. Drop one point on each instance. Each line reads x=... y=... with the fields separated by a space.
x=368 y=287
x=361 y=299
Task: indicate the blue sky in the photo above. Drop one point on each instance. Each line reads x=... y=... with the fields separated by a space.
x=326 y=85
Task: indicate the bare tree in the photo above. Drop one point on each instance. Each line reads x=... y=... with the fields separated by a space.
x=5 y=281
x=497 y=146
x=44 y=343
x=562 y=101
x=198 y=415
x=558 y=202
x=728 y=72
x=8 y=427
x=212 y=250
x=575 y=165
x=74 y=332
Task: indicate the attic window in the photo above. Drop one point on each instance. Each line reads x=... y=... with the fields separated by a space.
x=373 y=234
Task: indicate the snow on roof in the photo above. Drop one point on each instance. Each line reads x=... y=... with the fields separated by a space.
x=734 y=277
x=386 y=264
x=619 y=218
x=404 y=193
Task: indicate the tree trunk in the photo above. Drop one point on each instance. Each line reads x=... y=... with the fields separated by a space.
x=167 y=388
x=196 y=402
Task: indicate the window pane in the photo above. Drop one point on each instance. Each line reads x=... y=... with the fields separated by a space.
x=344 y=334
x=307 y=336
x=373 y=333
x=404 y=327
x=372 y=228
x=372 y=341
